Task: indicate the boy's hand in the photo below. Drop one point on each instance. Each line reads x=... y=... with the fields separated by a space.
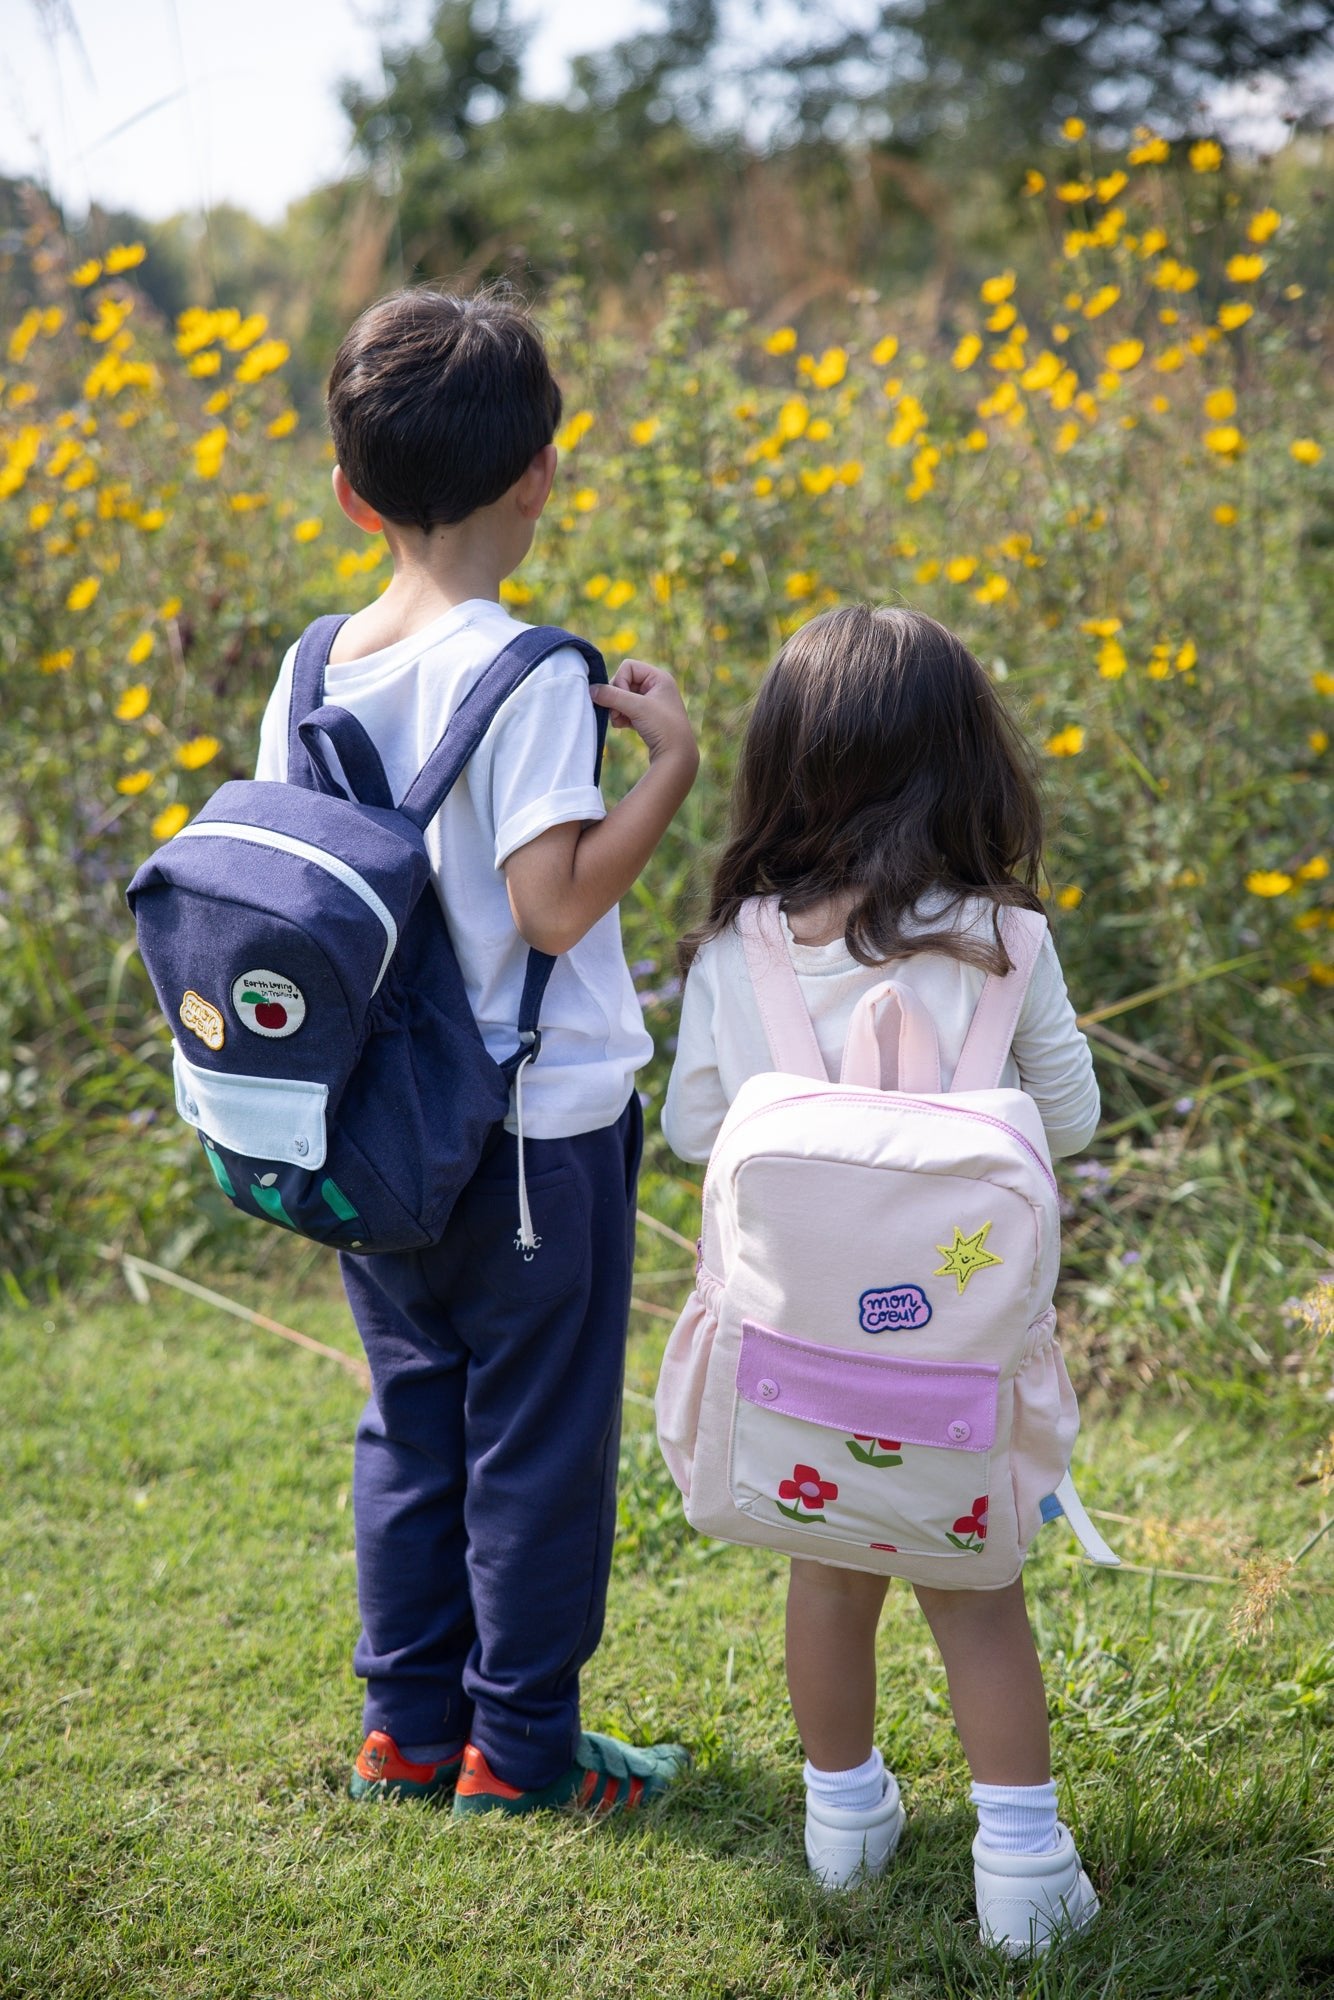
x=647 y=700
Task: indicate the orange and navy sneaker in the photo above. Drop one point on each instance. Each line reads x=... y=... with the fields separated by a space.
x=382 y=1772
x=605 y=1777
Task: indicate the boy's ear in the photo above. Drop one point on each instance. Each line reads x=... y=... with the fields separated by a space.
x=358 y=511
x=532 y=489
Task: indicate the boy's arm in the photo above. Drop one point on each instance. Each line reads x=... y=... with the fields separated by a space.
x=562 y=882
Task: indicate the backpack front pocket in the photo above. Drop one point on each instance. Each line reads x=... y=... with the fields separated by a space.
x=865 y=1449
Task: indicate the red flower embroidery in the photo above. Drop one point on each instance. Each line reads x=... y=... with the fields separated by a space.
x=974 y=1523
x=807 y=1488
x=885 y=1444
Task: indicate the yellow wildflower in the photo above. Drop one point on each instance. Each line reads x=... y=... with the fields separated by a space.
x=1234 y=313
x=1111 y=659
x=1187 y=655
x=1225 y=514
x=1150 y=151
x=793 y=417
x=1220 y=404
x=1206 y=156
x=282 y=426
x=82 y=593
x=39 y=515
x=850 y=472
x=58 y=661
x=1152 y=241
x=1110 y=186
x=1070 y=898
x=308 y=530
x=1268 y=882
x=1073 y=129
x=1073 y=191
x=1318 y=741
x=801 y=584
x=200 y=750
x=514 y=592
x=1125 y=355
x=1067 y=436
x=991 y=590
x=134 y=782
x=1244 y=268
x=150 y=520
x=169 y=821
x=262 y=360
x=1067 y=742
x=1226 y=440
x=623 y=640
x=597 y=586
x=87 y=273
x=169 y=608
x=1168 y=361
x=830 y=369
x=1003 y=318
x=645 y=430
x=133 y=703
x=618 y=593
x=1102 y=301
x=1173 y=276
x=884 y=350
x=140 y=649
x=966 y=353
x=1322 y=682
x=123 y=257
x=1034 y=182
x=1306 y=451
x=573 y=429
x=976 y=440
x=819 y=430
x=995 y=290
x=1263 y=224
x=584 y=500
x=1314 y=870
x=247 y=333
x=781 y=341
x=959 y=568
x=762 y=487
x=928 y=571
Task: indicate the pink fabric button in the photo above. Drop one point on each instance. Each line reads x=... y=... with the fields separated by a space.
x=959 y=1430
x=767 y=1388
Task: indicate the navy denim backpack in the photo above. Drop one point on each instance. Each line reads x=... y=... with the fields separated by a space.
x=323 y=1045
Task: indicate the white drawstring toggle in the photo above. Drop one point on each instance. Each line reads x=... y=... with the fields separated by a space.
x=526 y=1241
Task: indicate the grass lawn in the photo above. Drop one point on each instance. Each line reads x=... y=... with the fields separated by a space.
x=177 y=1613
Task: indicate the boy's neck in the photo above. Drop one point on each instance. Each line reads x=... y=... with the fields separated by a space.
x=432 y=575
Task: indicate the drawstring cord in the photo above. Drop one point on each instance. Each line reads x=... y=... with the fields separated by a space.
x=525 y=1241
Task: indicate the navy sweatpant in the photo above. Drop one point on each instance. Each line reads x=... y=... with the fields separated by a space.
x=485 y=1469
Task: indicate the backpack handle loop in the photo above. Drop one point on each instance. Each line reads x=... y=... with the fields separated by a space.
x=357 y=755
x=891 y=1042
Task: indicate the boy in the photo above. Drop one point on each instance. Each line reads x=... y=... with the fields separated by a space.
x=485 y=1463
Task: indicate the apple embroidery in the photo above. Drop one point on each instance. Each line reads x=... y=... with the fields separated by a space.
x=268 y=1003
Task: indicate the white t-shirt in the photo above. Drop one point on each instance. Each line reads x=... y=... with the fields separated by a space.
x=722 y=1040
x=532 y=770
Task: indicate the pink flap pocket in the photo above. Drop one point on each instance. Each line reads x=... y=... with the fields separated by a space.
x=942 y=1403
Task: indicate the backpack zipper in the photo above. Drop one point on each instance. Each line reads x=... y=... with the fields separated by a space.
x=286 y=843
x=919 y=1104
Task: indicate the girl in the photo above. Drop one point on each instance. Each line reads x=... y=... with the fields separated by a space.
x=884 y=794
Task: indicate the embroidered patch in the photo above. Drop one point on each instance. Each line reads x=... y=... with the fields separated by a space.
x=202 y=1018
x=808 y=1490
x=970 y=1530
x=966 y=1256
x=896 y=1307
x=268 y=1004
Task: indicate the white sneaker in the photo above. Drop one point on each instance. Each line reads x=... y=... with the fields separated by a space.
x=846 y=1847
x=1024 y=1900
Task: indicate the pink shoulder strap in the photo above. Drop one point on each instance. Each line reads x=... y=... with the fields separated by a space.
x=996 y=1015
x=787 y=1023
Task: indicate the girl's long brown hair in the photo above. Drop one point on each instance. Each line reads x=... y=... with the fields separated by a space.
x=880 y=762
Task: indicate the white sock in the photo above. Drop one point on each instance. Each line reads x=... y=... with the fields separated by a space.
x=1017 y=1819
x=858 y=1790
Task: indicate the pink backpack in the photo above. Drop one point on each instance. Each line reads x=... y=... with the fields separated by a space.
x=867 y=1371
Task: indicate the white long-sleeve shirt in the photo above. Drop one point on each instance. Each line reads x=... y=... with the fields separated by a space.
x=722 y=1040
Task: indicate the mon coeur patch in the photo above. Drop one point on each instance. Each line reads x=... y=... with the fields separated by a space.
x=268 y=1004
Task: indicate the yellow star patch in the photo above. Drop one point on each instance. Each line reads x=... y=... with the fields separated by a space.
x=966 y=1255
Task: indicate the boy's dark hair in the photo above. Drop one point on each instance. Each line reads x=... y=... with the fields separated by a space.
x=880 y=761
x=438 y=404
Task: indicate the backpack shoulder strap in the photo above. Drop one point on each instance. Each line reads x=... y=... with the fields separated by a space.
x=787 y=1023
x=312 y=657
x=479 y=707
x=996 y=1015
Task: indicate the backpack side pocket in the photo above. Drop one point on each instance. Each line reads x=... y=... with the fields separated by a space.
x=680 y=1391
x=1044 y=1426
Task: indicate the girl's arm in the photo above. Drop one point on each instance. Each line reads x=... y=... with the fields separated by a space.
x=1055 y=1066
x=696 y=1102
